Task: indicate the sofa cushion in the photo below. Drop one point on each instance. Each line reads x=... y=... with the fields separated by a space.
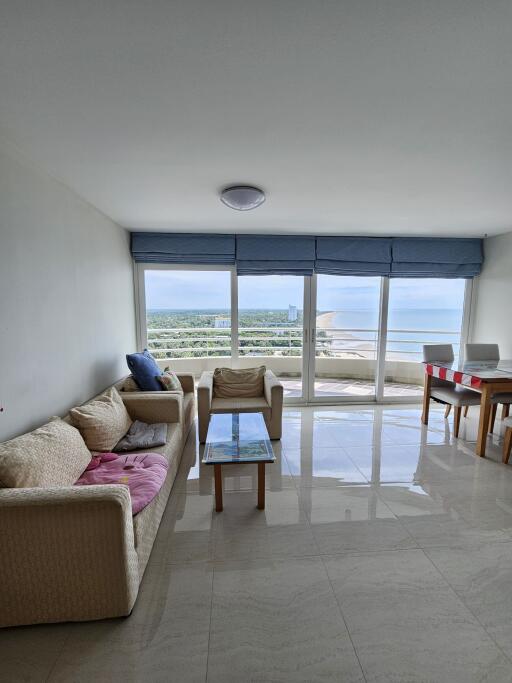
x=128 y=384
x=257 y=404
x=144 y=474
x=142 y=435
x=52 y=455
x=145 y=370
x=103 y=421
x=246 y=383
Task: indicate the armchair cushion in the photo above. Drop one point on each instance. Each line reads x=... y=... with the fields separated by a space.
x=244 y=383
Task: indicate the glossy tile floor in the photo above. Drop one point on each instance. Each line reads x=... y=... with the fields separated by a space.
x=384 y=554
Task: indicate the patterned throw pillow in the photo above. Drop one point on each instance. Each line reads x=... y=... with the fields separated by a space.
x=103 y=421
x=169 y=381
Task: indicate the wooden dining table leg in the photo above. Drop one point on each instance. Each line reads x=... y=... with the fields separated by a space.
x=505 y=411
x=483 y=424
x=426 y=398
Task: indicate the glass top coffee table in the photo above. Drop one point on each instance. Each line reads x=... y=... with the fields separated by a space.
x=238 y=438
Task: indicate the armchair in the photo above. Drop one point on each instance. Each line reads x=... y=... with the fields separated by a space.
x=270 y=403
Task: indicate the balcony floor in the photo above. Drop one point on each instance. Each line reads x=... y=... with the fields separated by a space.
x=325 y=388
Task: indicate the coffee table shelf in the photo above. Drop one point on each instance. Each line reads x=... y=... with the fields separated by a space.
x=235 y=438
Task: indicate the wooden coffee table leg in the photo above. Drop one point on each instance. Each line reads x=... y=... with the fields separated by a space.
x=218 y=488
x=261 y=486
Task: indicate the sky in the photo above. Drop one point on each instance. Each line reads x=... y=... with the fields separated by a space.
x=179 y=289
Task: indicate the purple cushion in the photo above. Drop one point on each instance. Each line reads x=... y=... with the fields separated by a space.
x=143 y=473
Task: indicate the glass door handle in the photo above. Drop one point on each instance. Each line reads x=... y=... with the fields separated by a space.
x=313 y=335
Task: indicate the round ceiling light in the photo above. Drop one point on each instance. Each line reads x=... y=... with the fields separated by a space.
x=242 y=197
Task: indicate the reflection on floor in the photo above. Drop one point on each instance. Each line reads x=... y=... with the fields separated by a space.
x=384 y=554
x=325 y=388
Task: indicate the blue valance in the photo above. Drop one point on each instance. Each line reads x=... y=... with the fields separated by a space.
x=161 y=247
x=425 y=257
x=275 y=255
x=431 y=257
x=353 y=255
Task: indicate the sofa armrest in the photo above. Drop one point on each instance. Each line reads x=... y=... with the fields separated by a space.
x=67 y=554
x=154 y=406
x=273 y=390
x=186 y=381
x=204 y=403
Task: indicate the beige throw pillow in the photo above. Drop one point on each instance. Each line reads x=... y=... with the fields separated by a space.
x=246 y=383
x=130 y=384
x=52 y=455
x=102 y=422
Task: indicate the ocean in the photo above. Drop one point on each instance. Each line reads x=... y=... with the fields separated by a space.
x=421 y=326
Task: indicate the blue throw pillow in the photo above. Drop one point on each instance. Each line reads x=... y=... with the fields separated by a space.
x=144 y=370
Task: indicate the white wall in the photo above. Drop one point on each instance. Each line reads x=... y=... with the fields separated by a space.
x=492 y=305
x=66 y=298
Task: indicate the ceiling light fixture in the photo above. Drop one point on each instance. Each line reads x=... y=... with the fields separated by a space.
x=242 y=197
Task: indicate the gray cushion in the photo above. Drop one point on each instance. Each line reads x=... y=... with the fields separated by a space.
x=142 y=435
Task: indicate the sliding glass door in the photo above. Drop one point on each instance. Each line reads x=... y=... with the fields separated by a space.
x=345 y=334
x=328 y=338
x=271 y=318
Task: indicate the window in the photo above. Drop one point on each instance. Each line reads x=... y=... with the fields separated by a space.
x=420 y=311
x=270 y=326
x=347 y=332
x=328 y=337
x=188 y=313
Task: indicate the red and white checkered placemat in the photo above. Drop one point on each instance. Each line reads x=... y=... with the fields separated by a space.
x=453 y=376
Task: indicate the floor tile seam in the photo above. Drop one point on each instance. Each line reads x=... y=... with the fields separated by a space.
x=57 y=657
x=209 y=626
x=347 y=454
x=340 y=610
x=466 y=606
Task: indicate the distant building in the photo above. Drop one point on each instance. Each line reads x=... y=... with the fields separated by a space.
x=222 y=322
x=292 y=314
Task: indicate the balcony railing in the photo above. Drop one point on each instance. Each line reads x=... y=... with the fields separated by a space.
x=285 y=341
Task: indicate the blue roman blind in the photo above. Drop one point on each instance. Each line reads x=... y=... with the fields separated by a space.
x=432 y=257
x=275 y=255
x=161 y=247
x=353 y=255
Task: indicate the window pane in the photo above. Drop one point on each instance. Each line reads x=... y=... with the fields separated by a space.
x=421 y=311
x=270 y=322
x=188 y=313
x=347 y=324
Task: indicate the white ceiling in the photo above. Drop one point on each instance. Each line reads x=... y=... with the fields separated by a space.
x=355 y=116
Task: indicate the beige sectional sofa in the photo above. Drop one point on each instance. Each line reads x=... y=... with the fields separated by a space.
x=76 y=553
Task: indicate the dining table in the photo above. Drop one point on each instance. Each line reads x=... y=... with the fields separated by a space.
x=489 y=378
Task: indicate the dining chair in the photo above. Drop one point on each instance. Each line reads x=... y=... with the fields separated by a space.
x=444 y=391
x=489 y=352
x=507 y=444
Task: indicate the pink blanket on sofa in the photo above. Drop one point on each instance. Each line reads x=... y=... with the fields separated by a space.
x=143 y=473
